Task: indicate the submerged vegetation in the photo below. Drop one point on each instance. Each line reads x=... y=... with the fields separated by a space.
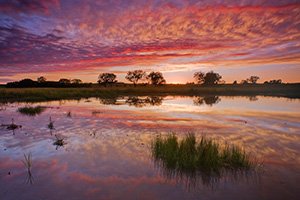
x=207 y=156
x=31 y=111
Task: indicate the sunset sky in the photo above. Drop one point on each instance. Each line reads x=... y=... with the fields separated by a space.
x=82 y=38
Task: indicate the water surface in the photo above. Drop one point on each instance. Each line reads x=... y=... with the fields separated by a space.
x=107 y=155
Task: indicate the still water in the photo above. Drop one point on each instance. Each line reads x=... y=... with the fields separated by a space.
x=106 y=151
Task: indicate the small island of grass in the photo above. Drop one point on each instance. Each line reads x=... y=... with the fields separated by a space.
x=31 y=111
x=206 y=155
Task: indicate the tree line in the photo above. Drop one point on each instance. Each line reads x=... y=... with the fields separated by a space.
x=135 y=77
x=154 y=78
x=42 y=82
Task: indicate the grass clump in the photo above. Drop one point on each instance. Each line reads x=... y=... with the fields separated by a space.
x=31 y=111
x=206 y=155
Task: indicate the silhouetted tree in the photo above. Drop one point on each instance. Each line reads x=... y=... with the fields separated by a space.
x=244 y=81
x=106 y=78
x=156 y=78
x=41 y=79
x=199 y=77
x=61 y=83
x=27 y=83
x=234 y=82
x=76 y=81
x=135 y=76
x=253 y=79
x=210 y=78
x=278 y=81
x=64 y=81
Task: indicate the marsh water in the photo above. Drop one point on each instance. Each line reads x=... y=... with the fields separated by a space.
x=106 y=151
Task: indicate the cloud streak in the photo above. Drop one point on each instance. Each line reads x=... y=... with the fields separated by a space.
x=56 y=36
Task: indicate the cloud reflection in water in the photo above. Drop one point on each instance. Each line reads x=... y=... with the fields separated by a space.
x=107 y=151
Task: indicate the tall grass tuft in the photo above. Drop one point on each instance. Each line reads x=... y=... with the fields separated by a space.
x=27 y=161
x=31 y=111
x=206 y=155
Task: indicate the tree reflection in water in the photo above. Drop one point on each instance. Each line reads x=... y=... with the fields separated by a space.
x=141 y=102
x=208 y=100
x=253 y=98
x=134 y=101
x=108 y=101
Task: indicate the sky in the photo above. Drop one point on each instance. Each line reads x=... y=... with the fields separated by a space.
x=83 y=38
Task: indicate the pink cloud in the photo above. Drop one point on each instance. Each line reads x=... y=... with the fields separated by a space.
x=140 y=33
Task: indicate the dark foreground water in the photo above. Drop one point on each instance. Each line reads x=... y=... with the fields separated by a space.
x=106 y=152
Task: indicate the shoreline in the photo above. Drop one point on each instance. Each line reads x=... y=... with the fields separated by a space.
x=291 y=91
